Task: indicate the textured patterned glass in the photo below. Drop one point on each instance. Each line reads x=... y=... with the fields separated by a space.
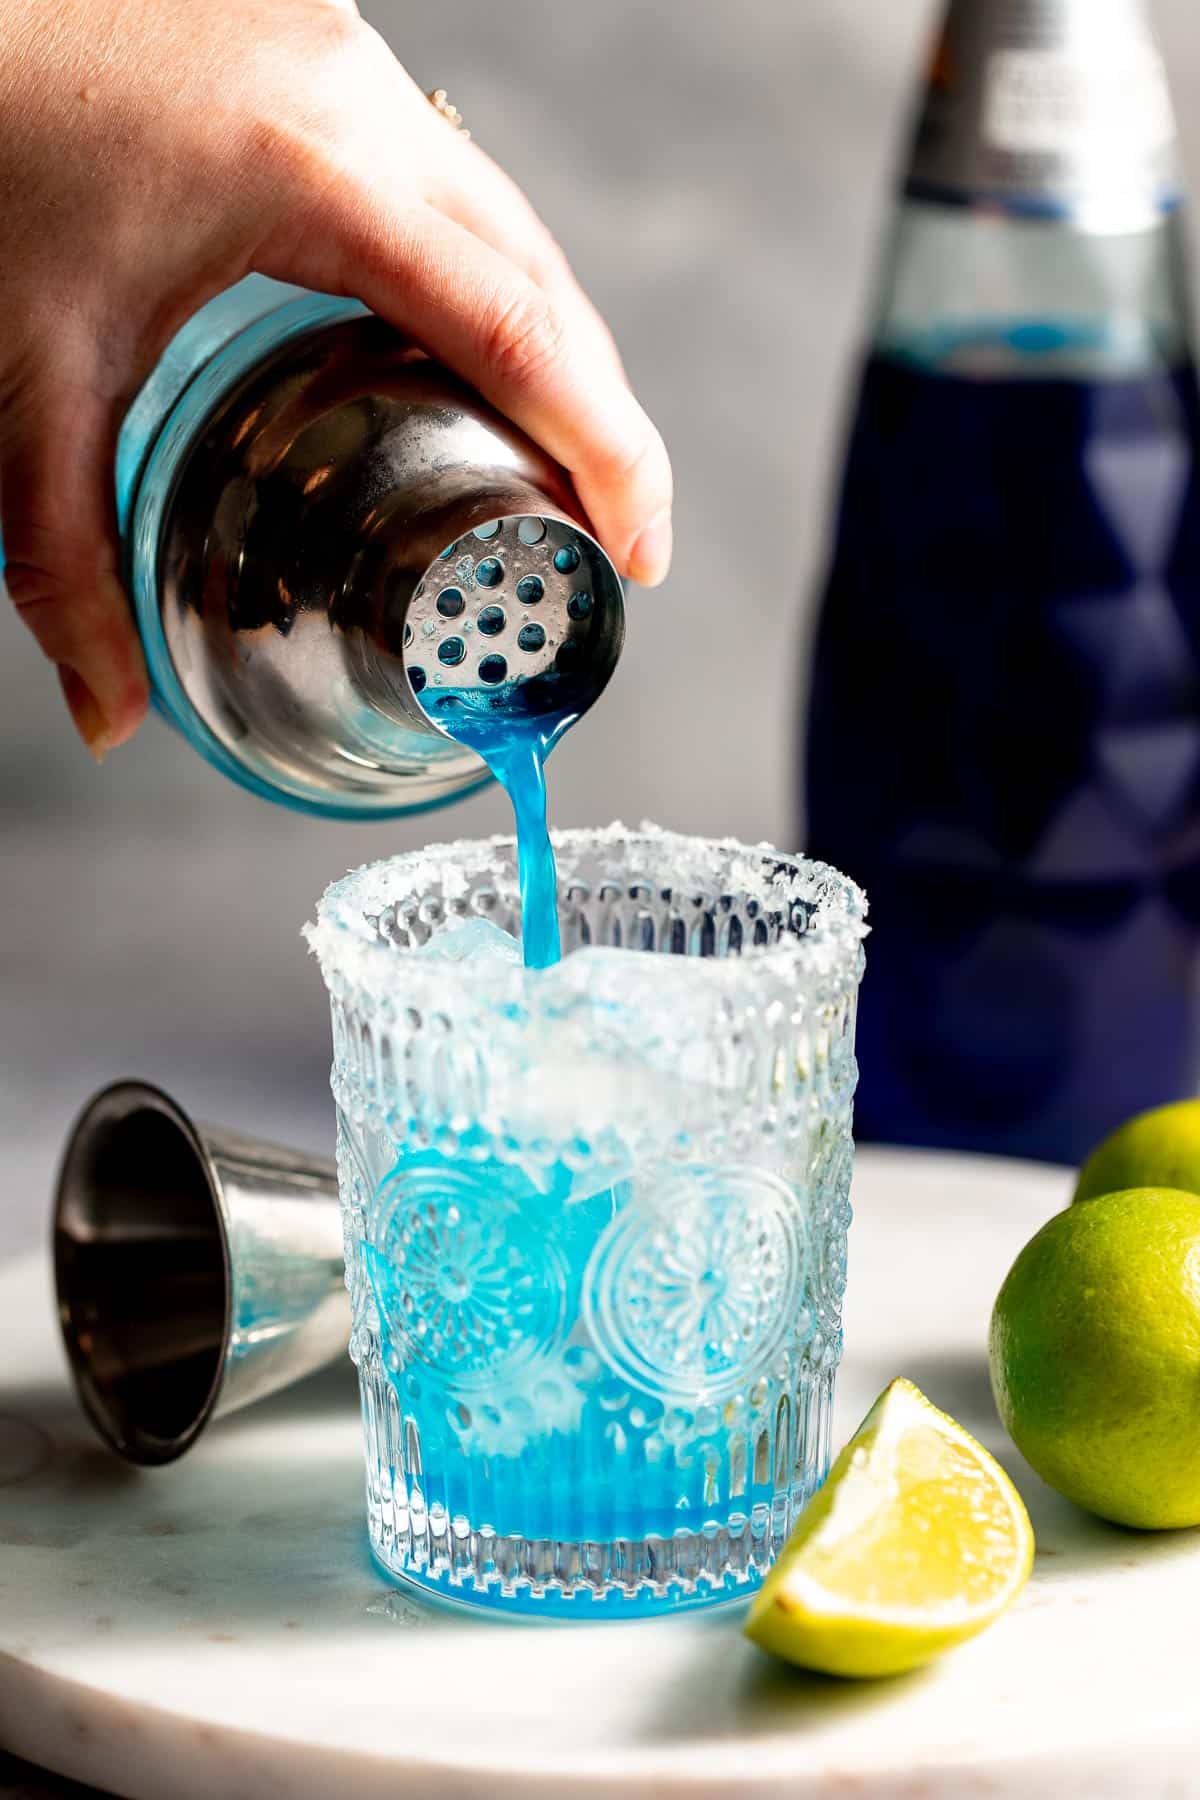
x=595 y=1215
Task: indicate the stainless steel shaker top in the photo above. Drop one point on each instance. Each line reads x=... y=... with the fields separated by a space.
x=351 y=526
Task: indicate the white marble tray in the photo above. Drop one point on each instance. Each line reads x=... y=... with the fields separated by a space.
x=217 y=1628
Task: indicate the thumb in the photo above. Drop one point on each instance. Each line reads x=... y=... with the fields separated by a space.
x=58 y=528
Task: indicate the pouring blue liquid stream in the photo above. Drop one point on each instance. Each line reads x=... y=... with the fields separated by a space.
x=515 y=743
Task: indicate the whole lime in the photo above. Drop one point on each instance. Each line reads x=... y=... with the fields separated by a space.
x=1095 y=1355
x=1157 y=1149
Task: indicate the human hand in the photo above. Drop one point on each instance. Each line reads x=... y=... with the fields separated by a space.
x=152 y=152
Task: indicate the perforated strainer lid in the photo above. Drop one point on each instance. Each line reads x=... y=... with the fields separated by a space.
x=522 y=613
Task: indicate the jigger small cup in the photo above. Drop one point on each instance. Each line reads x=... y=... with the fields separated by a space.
x=197 y=1270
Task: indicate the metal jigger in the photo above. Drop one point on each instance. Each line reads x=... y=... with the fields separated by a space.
x=197 y=1270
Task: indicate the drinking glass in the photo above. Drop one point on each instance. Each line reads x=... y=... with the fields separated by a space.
x=595 y=1215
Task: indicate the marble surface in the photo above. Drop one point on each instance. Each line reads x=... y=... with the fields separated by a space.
x=217 y=1627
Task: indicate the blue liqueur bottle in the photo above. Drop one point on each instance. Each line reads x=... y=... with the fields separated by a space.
x=1004 y=730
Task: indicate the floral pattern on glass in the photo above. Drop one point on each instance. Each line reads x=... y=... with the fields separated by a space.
x=694 y=1294
x=467 y=1280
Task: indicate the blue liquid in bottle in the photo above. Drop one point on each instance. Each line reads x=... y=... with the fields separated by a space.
x=1004 y=746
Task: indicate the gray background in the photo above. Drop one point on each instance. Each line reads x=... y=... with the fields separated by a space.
x=718 y=171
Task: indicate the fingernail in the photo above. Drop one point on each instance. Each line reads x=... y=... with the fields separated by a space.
x=86 y=712
x=650 y=557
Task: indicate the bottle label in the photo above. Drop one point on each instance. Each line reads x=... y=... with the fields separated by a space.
x=1055 y=107
x=1047 y=103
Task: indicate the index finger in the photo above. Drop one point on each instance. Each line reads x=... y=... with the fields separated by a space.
x=487 y=320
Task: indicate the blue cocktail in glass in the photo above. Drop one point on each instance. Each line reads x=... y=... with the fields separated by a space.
x=595 y=1214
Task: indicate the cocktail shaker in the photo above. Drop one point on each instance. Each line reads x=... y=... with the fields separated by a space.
x=304 y=500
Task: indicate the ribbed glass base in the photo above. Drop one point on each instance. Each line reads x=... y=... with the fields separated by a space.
x=462 y=1556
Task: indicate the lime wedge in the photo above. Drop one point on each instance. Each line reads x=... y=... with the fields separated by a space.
x=917 y=1541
